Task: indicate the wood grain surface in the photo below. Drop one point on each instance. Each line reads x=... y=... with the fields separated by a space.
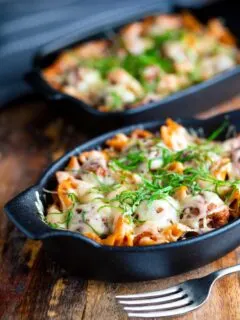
x=32 y=287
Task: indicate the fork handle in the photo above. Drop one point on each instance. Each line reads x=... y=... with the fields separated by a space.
x=223 y=272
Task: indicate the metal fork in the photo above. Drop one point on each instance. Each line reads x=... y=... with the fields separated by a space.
x=174 y=301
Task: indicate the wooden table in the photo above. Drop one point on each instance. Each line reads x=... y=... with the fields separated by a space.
x=32 y=286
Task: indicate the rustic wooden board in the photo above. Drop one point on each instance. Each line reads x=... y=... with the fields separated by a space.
x=32 y=286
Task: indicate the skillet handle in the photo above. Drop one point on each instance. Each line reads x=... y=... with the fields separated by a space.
x=35 y=80
x=24 y=213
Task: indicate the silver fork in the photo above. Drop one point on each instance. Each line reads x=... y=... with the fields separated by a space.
x=174 y=301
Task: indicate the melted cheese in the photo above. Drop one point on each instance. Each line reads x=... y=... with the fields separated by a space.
x=111 y=190
x=91 y=217
x=200 y=207
x=162 y=212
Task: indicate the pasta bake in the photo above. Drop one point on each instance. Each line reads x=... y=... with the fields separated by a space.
x=144 y=62
x=149 y=188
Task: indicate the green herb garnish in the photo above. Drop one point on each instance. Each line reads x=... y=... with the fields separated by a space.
x=170 y=35
x=69 y=212
x=53 y=225
x=85 y=221
x=218 y=131
x=116 y=102
x=103 y=64
x=131 y=161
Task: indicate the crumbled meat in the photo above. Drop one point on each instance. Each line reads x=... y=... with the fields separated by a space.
x=220 y=218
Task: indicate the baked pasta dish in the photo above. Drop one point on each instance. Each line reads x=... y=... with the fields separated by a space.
x=145 y=62
x=146 y=189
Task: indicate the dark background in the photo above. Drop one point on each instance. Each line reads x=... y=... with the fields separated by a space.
x=27 y=25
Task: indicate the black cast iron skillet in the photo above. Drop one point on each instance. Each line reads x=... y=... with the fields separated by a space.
x=88 y=259
x=186 y=102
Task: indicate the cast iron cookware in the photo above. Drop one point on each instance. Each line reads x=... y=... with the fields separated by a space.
x=88 y=259
x=184 y=103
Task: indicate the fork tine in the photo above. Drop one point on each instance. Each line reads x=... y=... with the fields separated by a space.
x=150 y=294
x=171 y=305
x=167 y=313
x=170 y=297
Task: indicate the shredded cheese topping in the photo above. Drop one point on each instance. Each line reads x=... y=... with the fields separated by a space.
x=146 y=188
x=146 y=61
